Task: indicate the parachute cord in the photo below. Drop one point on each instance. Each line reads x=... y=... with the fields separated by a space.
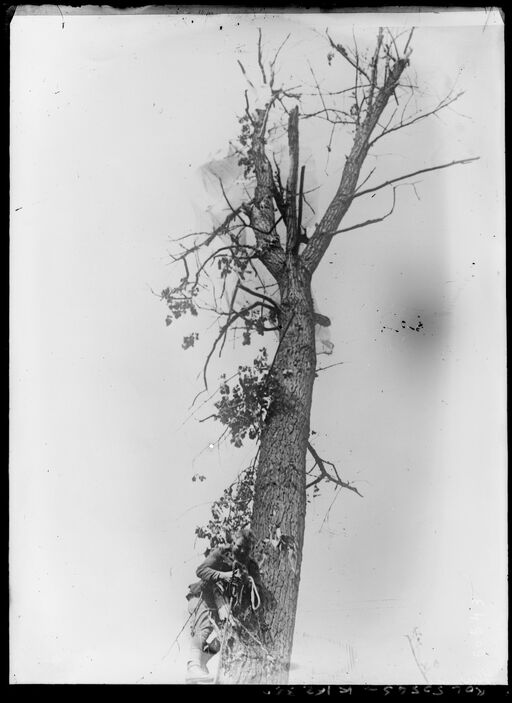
x=255 y=596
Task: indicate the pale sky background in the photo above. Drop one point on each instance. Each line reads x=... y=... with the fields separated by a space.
x=111 y=119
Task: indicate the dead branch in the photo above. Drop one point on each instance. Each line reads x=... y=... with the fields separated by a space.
x=388 y=130
x=245 y=74
x=325 y=475
x=301 y=198
x=208 y=417
x=291 y=184
x=272 y=63
x=336 y=92
x=409 y=40
x=394 y=44
x=278 y=191
x=415 y=173
x=371 y=222
x=319 y=113
x=341 y=50
x=320 y=94
x=260 y=57
x=323 y=368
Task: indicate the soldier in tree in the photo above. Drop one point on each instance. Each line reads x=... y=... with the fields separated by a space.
x=230 y=579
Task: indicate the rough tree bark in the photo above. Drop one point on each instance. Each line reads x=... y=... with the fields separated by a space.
x=280 y=490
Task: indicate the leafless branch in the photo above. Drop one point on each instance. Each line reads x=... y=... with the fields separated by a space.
x=394 y=44
x=371 y=222
x=325 y=475
x=291 y=185
x=341 y=50
x=318 y=87
x=388 y=130
x=337 y=92
x=366 y=179
x=260 y=57
x=408 y=40
x=272 y=63
x=415 y=173
x=301 y=198
x=319 y=113
x=208 y=417
x=245 y=74
x=323 y=368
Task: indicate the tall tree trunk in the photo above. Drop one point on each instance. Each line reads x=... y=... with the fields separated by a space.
x=278 y=519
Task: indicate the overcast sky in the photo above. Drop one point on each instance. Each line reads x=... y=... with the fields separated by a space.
x=112 y=118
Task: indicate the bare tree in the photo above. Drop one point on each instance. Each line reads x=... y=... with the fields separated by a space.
x=265 y=261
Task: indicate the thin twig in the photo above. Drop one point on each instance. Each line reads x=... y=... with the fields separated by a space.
x=278 y=52
x=231 y=304
x=323 y=368
x=245 y=73
x=388 y=130
x=341 y=50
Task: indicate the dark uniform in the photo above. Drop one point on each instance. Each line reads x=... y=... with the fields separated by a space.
x=210 y=594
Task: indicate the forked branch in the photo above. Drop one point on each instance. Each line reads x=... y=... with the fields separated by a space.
x=325 y=475
x=371 y=222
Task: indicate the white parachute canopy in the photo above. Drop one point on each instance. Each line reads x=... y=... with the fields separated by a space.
x=209 y=204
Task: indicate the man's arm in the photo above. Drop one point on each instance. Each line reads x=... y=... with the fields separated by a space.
x=213 y=568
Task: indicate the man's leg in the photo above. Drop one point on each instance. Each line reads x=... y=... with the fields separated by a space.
x=200 y=630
